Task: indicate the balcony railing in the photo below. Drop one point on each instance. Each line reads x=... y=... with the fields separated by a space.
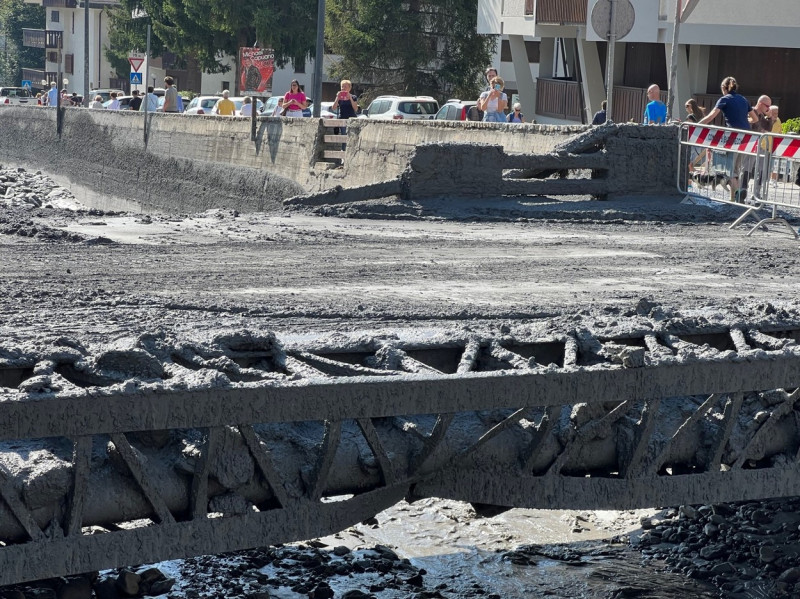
x=34 y=75
x=560 y=12
x=39 y=38
x=34 y=38
x=60 y=3
x=558 y=99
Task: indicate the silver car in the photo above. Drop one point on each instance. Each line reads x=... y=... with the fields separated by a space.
x=16 y=95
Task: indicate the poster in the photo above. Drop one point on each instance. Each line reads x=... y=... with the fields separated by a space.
x=256 y=66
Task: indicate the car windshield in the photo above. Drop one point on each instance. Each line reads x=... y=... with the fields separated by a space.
x=16 y=92
x=208 y=102
x=418 y=107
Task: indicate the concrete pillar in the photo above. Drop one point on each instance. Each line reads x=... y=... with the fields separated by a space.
x=570 y=53
x=547 y=51
x=591 y=76
x=522 y=71
x=698 y=68
x=683 y=90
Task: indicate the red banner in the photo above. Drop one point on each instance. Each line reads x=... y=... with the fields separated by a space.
x=256 y=66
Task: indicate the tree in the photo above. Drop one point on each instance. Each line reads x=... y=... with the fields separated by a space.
x=413 y=47
x=208 y=30
x=15 y=16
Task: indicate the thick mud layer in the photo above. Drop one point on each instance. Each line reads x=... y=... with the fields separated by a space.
x=102 y=279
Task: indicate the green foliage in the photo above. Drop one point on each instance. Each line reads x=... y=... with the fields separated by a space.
x=208 y=30
x=791 y=126
x=15 y=16
x=417 y=47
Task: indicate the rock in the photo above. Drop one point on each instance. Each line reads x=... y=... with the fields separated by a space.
x=356 y=594
x=128 y=583
x=688 y=512
x=792 y=575
x=341 y=550
x=767 y=554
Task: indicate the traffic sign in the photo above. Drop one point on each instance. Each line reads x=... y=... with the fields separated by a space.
x=136 y=78
x=27 y=84
x=136 y=63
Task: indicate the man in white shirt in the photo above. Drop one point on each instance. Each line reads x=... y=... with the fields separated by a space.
x=150 y=101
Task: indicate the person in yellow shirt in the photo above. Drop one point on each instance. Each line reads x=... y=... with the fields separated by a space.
x=777 y=127
x=224 y=106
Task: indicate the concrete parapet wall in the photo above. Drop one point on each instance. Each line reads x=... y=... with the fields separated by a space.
x=196 y=163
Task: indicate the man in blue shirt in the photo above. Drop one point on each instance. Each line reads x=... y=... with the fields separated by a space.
x=655 y=113
x=52 y=95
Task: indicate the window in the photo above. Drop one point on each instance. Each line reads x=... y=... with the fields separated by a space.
x=52 y=56
x=69 y=63
x=225 y=85
x=299 y=65
x=55 y=17
x=531 y=48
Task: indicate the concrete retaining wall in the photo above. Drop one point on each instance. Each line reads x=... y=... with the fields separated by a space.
x=192 y=164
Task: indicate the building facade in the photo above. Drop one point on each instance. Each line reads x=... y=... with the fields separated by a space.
x=755 y=42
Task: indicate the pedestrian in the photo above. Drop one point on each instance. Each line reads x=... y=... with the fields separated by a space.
x=345 y=105
x=295 y=101
x=490 y=73
x=97 y=103
x=777 y=128
x=170 y=96
x=225 y=106
x=150 y=101
x=52 y=94
x=760 y=122
x=114 y=103
x=655 y=113
x=695 y=112
x=493 y=103
x=738 y=113
x=600 y=116
x=136 y=100
x=516 y=115
x=278 y=111
x=247 y=107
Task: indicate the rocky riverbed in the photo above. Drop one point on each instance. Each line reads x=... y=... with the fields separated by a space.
x=101 y=277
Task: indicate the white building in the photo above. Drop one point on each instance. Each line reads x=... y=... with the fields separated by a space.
x=66 y=19
x=753 y=41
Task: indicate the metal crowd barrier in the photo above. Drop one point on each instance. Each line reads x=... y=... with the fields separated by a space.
x=715 y=160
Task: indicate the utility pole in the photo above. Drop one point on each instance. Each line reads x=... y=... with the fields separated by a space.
x=86 y=89
x=319 y=58
x=673 y=63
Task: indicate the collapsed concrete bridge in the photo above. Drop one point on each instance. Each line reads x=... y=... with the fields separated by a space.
x=170 y=448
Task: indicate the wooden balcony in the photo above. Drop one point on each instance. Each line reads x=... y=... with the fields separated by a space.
x=34 y=38
x=60 y=3
x=558 y=99
x=39 y=38
x=559 y=12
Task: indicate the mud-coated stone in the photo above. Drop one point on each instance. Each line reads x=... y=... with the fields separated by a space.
x=128 y=583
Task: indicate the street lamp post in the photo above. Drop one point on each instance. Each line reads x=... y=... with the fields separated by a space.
x=319 y=57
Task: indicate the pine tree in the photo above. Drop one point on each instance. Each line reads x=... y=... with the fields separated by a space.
x=15 y=16
x=414 y=47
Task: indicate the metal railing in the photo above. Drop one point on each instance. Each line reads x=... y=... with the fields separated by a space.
x=743 y=168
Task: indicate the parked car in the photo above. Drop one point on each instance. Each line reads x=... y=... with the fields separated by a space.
x=184 y=99
x=239 y=101
x=402 y=107
x=16 y=95
x=459 y=110
x=124 y=102
x=270 y=105
x=105 y=93
x=199 y=105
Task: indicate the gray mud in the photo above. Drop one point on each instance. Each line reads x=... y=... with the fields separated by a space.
x=102 y=278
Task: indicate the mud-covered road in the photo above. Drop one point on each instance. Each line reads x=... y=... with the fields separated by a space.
x=100 y=275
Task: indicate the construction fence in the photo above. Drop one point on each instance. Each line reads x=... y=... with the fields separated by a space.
x=758 y=171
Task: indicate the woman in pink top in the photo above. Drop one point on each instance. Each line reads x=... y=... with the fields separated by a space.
x=294 y=101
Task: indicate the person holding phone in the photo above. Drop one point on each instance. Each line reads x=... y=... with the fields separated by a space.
x=344 y=105
x=294 y=101
x=494 y=102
